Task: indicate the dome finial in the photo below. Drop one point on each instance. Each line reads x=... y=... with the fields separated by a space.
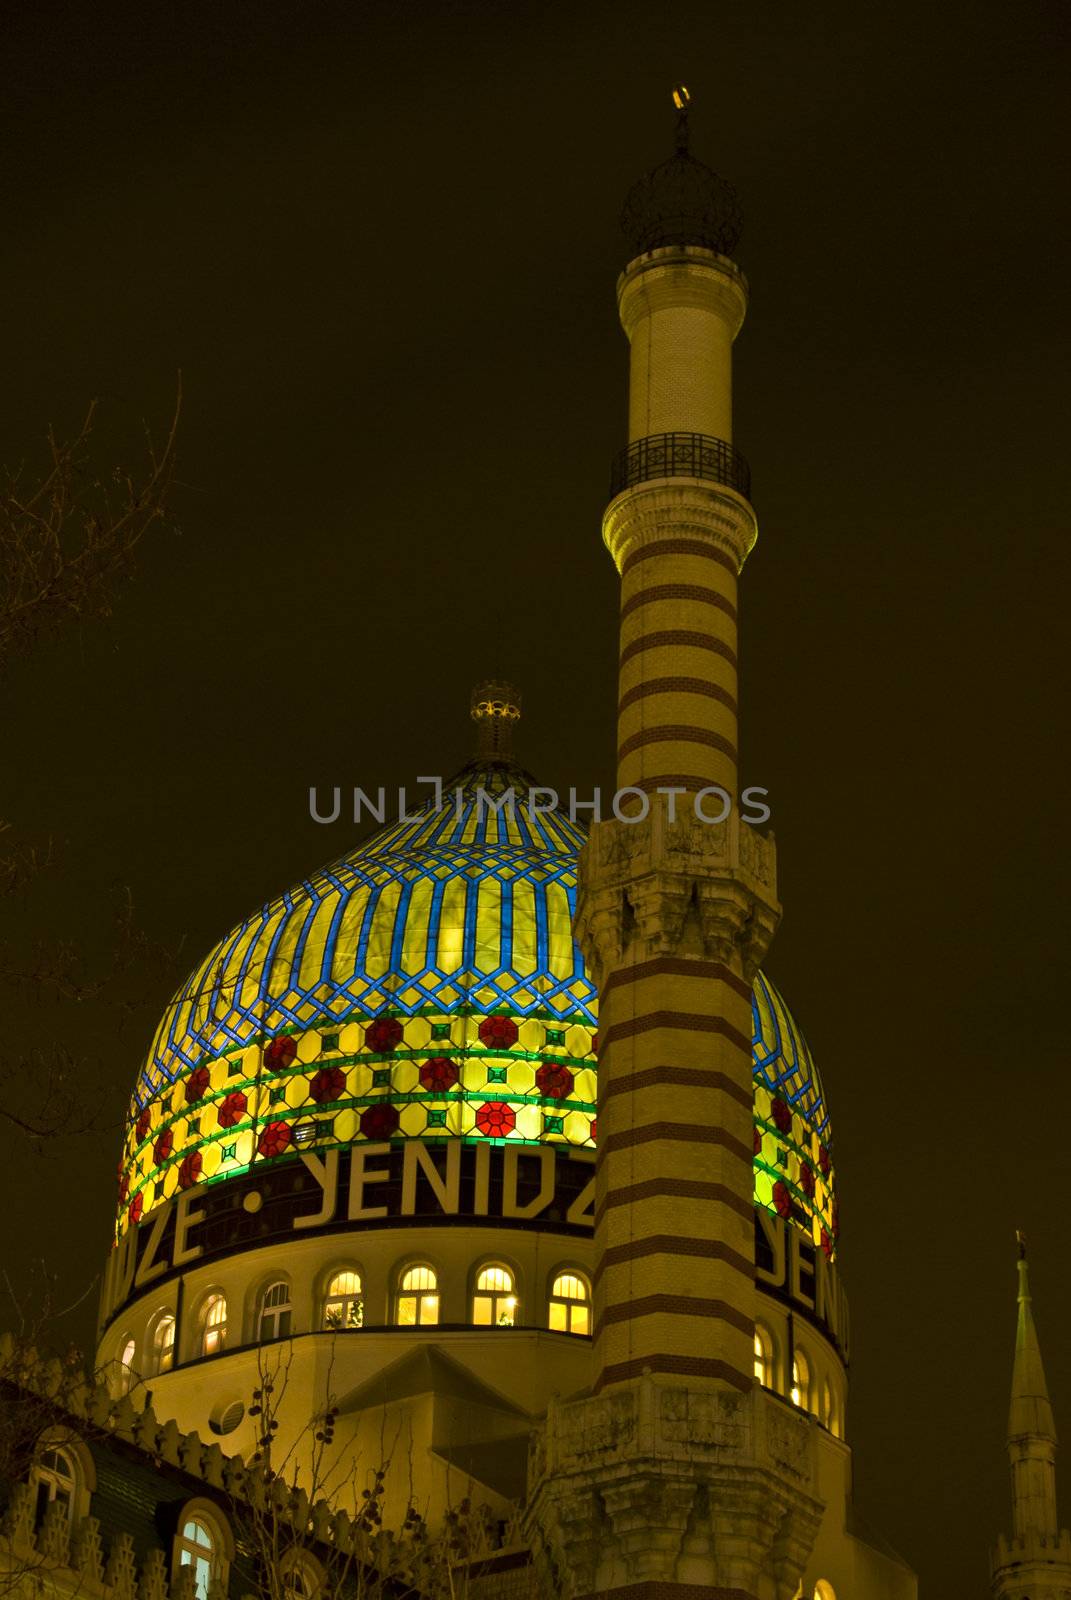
x=682 y=100
x=682 y=202
x=494 y=707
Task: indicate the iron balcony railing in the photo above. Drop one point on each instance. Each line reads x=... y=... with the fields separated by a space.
x=680 y=455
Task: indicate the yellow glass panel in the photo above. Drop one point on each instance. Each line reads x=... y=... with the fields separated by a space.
x=524 y=927
x=415 y=939
x=489 y=926
x=578 y=1319
x=348 y=933
x=452 y=926
x=560 y=956
x=259 y=941
x=429 y=1308
x=312 y=957
x=557 y=1316
x=377 y=960
x=481 y=1310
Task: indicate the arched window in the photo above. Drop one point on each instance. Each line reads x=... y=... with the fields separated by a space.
x=163 y=1343
x=494 y=1305
x=302 y=1576
x=570 y=1304
x=418 y=1297
x=54 y=1478
x=801 y=1381
x=213 y=1325
x=275 y=1311
x=764 y=1357
x=825 y=1416
x=344 y=1302
x=126 y=1366
x=199 y=1544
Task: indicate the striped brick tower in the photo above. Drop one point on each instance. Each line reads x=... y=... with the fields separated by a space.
x=665 y=1485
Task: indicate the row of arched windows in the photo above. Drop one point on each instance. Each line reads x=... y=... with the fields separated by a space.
x=494 y=1304
x=804 y=1390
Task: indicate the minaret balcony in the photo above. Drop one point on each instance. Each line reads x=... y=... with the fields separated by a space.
x=680 y=455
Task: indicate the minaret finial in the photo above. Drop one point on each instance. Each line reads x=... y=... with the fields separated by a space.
x=494 y=707
x=682 y=100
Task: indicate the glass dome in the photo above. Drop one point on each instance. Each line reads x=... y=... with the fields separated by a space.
x=426 y=985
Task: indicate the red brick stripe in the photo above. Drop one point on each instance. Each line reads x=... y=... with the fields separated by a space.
x=674 y=1133
x=712 y=691
x=690 y=1021
x=677 y=967
x=674 y=1189
x=679 y=733
x=672 y=780
x=682 y=1366
x=674 y=1305
x=678 y=591
x=676 y=638
x=679 y=547
x=668 y=1244
x=691 y=1077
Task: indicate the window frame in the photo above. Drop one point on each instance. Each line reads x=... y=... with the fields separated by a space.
x=345 y=1298
x=503 y=1303
x=207 y=1327
x=280 y=1314
x=418 y=1295
x=157 y=1363
x=799 y=1391
x=570 y=1304
x=765 y=1351
x=209 y=1516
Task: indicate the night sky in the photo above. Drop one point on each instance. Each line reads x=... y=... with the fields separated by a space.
x=381 y=243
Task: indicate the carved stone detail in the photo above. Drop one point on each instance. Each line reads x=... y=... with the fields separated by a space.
x=658 y=887
x=672 y=1485
x=679 y=508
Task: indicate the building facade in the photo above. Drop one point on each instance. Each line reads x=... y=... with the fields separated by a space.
x=495 y=1139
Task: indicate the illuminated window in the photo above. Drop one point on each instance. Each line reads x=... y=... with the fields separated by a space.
x=301 y=1578
x=126 y=1366
x=801 y=1382
x=764 y=1362
x=344 y=1302
x=214 y=1325
x=163 y=1343
x=494 y=1305
x=275 y=1311
x=418 y=1297
x=54 y=1479
x=198 y=1546
x=570 y=1304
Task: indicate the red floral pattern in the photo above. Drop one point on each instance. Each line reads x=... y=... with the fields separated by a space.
x=781 y=1115
x=554 y=1080
x=379 y=1122
x=439 y=1073
x=807 y=1179
x=143 y=1124
x=495 y=1119
x=498 y=1033
x=823 y=1161
x=594 y=1136
x=135 y=1208
x=758 y=1141
x=328 y=1084
x=594 y=1044
x=124 y=1189
x=275 y=1139
x=231 y=1108
x=196 y=1084
x=827 y=1242
x=280 y=1053
x=383 y=1035
x=190 y=1170
x=163 y=1146
x=782 y=1199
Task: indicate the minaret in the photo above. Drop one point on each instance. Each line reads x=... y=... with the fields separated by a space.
x=670 y=1479
x=1035 y=1563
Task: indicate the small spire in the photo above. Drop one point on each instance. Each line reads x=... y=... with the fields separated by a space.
x=1031 y=1411
x=495 y=707
x=682 y=100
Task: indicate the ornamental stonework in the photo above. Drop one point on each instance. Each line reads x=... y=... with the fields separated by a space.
x=654 y=886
